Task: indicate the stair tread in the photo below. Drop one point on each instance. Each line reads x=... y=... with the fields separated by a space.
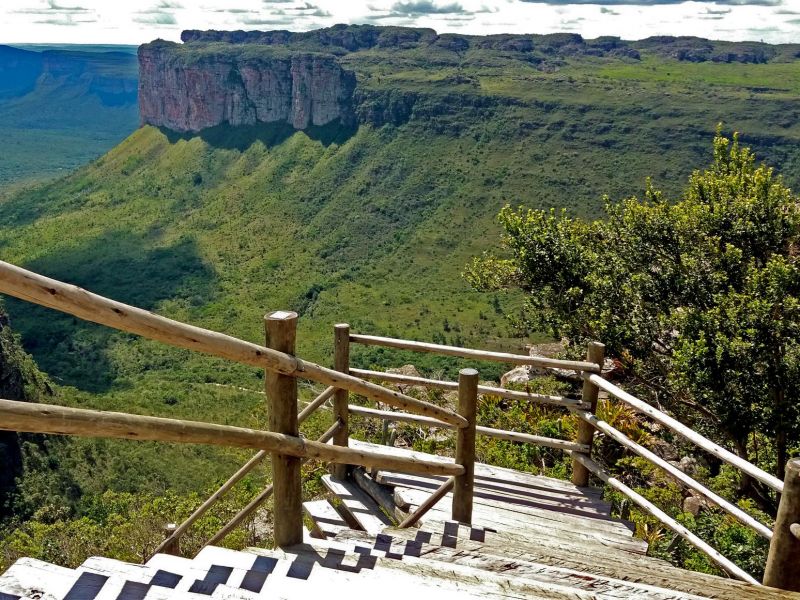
x=358 y=508
x=327 y=521
x=488 y=473
x=383 y=547
x=591 y=560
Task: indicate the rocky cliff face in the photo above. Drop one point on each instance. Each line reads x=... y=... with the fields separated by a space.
x=188 y=90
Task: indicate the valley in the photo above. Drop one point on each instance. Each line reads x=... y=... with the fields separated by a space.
x=61 y=107
x=366 y=213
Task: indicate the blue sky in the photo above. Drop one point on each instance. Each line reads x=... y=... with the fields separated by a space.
x=138 y=21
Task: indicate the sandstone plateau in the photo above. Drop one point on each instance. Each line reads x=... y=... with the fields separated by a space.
x=185 y=93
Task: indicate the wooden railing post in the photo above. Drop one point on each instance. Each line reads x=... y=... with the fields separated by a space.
x=174 y=546
x=281 y=332
x=595 y=354
x=783 y=562
x=465 y=446
x=341 y=362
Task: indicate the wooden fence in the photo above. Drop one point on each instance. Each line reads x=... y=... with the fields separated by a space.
x=288 y=449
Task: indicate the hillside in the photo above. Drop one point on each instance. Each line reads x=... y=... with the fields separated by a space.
x=61 y=107
x=369 y=221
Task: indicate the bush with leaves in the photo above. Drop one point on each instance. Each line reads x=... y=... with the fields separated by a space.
x=698 y=298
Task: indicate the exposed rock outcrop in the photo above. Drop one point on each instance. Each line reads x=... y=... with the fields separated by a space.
x=189 y=91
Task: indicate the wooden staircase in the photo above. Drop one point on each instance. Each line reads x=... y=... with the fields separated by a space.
x=531 y=537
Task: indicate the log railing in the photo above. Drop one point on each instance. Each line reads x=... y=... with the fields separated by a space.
x=289 y=449
x=786 y=544
x=282 y=369
x=468 y=390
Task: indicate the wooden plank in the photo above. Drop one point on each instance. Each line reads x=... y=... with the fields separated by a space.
x=589 y=559
x=414 y=577
x=326 y=520
x=46 y=418
x=493 y=563
x=515 y=359
x=486 y=390
x=358 y=509
x=542 y=522
x=78 y=302
x=686 y=432
x=591 y=508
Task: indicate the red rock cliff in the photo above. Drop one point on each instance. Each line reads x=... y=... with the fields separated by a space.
x=187 y=89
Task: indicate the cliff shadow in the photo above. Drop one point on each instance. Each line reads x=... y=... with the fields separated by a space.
x=123 y=266
x=241 y=137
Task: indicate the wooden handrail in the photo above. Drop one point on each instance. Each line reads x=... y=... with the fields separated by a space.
x=453 y=385
x=501 y=434
x=262 y=497
x=688 y=433
x=387 y=415
x=722 y=562
x=504 y=357
x=677 y=474
x=178 y=532
x=429 y=503
x=78 y=302
x=60 y=420
x=309 y=409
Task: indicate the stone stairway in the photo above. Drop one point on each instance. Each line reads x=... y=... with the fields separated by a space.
x=532 y=537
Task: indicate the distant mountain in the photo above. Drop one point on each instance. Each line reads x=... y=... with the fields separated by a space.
x=62 y=108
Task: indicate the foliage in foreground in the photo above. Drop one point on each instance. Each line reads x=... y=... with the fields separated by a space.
x=697 y=298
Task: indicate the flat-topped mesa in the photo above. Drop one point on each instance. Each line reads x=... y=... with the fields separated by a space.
x=188 y=89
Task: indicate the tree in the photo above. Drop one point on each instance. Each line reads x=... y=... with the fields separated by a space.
x=698 y=298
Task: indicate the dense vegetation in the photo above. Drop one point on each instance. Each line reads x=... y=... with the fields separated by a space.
x=698 y=301
x=62 y=107
x=371 y=225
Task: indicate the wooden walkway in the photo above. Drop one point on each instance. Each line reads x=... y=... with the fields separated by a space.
x=532 y=537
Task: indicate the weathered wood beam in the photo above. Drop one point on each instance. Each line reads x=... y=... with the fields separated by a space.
x=61 y=420
x=504 y=357
x=326 y=395
x=580 y=475
x=281 y=334
x=511 y=436
x=341 y=362
x=429 y=503
x=464 y=485
x=78 y=302
x=260 y=499
x=650 y=508
x=784 y=551
x=687 y=433
x=677 y=474
x=453 y=385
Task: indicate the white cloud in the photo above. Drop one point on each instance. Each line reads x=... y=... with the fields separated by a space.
x=138 y=21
